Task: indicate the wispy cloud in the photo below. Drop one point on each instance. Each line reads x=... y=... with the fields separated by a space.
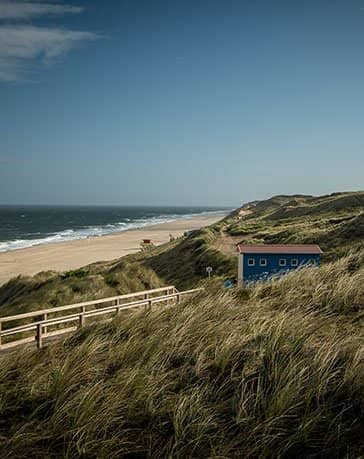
x=24 y=47
x=29 y=10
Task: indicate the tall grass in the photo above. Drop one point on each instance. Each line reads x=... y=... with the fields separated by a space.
x=184 y=263
x=220 y=375
x=335 y=287
x=100 y=280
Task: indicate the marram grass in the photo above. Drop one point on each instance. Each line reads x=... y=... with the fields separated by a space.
x=274 y=372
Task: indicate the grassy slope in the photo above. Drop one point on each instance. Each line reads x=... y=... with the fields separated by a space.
x=276 y=371
x=336 y=222
x=279 y=368
x=185 y=263
x=92 y=282
x=181 y=263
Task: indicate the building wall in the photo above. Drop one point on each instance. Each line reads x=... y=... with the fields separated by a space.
x=257 y=272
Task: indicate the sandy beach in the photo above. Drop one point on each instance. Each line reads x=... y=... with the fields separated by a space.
x=64 y=256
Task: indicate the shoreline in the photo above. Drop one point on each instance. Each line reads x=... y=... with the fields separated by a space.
x=73 y=254
x=75 y=234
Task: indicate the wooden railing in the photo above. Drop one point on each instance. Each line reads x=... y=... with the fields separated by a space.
x=43 y=326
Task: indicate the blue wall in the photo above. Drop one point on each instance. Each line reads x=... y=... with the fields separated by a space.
x=257 y=272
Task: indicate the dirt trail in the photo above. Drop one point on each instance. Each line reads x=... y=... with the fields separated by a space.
x=227 y=244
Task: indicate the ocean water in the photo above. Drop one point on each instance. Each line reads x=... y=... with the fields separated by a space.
x=22 y=227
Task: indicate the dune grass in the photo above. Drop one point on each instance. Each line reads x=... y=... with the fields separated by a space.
x=184 y=263
x=277 y=371
x=335 y=222
x=181 y=263
x=100 y=280
x=334 y=288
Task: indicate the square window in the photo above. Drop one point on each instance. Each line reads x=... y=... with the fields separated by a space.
x=263 y=262
x=282 y=262
x=294 y=262
x=251 y=262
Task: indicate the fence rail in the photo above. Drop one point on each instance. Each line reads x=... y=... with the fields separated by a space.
x=42 y=326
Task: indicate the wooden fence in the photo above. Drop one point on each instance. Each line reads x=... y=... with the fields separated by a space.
x=42 y=324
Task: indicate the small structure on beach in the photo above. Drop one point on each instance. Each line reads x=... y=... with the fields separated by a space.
x=262 y=261
x=146 y=244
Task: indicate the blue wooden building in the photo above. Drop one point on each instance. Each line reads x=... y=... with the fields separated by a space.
x=259 y=262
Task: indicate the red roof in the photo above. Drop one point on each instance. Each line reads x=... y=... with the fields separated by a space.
x=296 y=249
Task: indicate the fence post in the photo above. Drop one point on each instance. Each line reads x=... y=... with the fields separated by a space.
x=0 y=332
x=39 y=336
x=45 y=317
x=81 y=319
x=177 y=298
x=148 y=306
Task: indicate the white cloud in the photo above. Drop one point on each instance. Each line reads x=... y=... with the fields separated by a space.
x=27 y=42
x=30 y=10
x=24 y=47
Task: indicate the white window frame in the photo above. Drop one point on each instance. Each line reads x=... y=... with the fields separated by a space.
x=282 y=262
x=294 y=262
x=251 y=261
x=263 y=262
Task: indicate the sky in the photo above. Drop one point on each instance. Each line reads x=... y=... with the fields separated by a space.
x=179 y=102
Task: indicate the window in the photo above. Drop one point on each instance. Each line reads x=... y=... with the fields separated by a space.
x=294 y=262
x=282 y=262
x=251 y=262
x=263 y=262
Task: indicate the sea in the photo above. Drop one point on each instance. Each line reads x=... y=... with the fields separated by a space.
x=27 y=226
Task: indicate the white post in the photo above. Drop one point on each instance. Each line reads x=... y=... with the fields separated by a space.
x=82 y=317
x=240 y=270
x=45 y=317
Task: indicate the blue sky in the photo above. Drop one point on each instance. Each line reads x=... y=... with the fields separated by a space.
x=179 y=102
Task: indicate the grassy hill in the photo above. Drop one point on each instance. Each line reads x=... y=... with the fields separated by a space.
x=181 y=263
x=338 y=226
x=334 y=221
x=276 y=371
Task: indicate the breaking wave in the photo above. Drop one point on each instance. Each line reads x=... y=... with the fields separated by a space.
x=91 y=231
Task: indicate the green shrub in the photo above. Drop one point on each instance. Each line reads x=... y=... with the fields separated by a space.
x=110 y=279
x=79 y=273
